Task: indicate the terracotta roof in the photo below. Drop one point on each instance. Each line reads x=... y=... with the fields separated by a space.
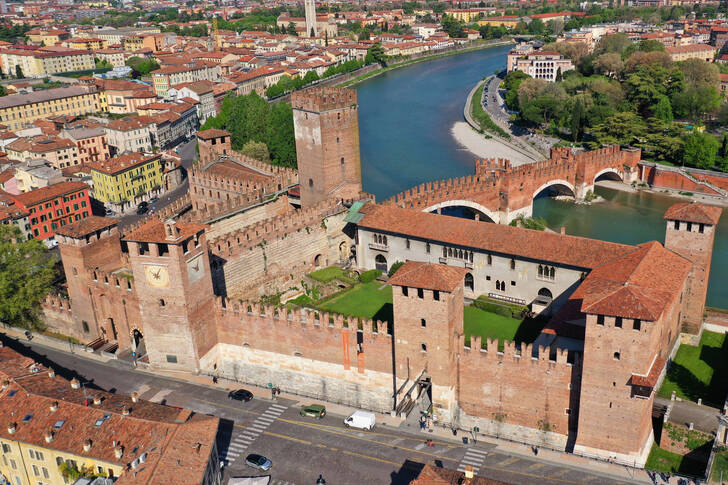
x=430 y=475
x=154 y=231
x=130 y=123
x=38 y=403
x=567 y=250
x=649 y=380
x=11 y=213
x=86 y=226
x=40 y=144
x=121 y=163
x=48 y=193
x=233 y=170
x=428 y=276
x=42 y=96
x=212 y=133
x=679 y=49
x=640 y=284
x=694 y=212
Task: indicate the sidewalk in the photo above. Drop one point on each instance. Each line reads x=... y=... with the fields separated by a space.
x=607 y=470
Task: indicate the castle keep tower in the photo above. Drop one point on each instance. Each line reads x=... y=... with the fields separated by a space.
x=326 y=124
x=690 y=233
x=428 y=322
x=310 y=12
x=171 y=266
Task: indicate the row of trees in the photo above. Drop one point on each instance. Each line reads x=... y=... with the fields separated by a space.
x=287 y=84
x=628 y=94
x=251 y=118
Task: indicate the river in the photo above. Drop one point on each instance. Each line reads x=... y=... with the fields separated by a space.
x=405 y=121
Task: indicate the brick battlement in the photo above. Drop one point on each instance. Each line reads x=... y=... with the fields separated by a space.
x=113 y=280
x=171 y=211
x=511 y=352
x=277 y=227
x=57 y=304
x=323 y=99
x=252 y=312
x=467 y=185
x=262 y=166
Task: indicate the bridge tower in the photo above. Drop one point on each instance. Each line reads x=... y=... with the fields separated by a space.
x=310 y=11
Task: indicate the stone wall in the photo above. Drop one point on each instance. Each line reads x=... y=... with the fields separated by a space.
x=675 y=178
x=248 y=216
x=525 y=394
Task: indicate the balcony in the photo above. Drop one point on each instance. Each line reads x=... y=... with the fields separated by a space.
x=379 y=247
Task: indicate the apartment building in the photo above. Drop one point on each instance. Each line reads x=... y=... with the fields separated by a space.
x=54 y=427
x=58 y=152
x=200 y=91
x=90 y=143
x=21 y=110
x=54 y=206
x=123 y=178
x=115 y=57
x=35 y=174
x=86 y=43
x=130 y=134
x=124 y=97
x=167 y=77
x=39 y=63
x=11 y=215
x=694 y=51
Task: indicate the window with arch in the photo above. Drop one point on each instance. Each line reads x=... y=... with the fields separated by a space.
x=310 y=182
x=162 y=302
x=342 y=160
x=427 y=248
x=617 y=356
x=490 y=260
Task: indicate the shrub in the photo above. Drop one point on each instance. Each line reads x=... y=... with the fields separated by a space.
x=394 y=268
x=502 y=310
x=369 y=276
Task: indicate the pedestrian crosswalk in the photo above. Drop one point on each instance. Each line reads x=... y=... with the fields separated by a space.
x=473 y=457
x=240 y=442
x=275 y=481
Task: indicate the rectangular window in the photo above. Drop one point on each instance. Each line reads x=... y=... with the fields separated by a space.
x=637 y=324
x=420 y=293
x=405 y=291
x=436 y=295
x=701 y=228
x=408 y=243
x=36 y=472
x=600 y=319
x=618 y=322
x=172 y=359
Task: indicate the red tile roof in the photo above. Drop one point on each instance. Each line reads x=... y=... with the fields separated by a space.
x=154 y=231
x=428 y=276
x=86 y=226
x=694 y=212
x=567 y=250
x=431 y=475
x=650 y=380
x=641 y=284
x=124 y=162
x=48 y=193
x=212 y=133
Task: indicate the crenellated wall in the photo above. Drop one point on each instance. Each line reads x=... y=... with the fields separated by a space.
x=524 y=393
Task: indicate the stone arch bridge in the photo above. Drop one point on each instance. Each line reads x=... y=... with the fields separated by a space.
x=501 y=193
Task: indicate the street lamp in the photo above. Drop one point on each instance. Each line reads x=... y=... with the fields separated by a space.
x=320 y=480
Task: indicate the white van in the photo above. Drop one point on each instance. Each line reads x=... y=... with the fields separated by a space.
x=361 y=420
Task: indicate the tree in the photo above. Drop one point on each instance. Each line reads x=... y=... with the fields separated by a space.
x=700 y=73
x=700 y=150
x=310 y=77
x=578 y=119
x=536 y=27
x=141 y=66
x=619 y=129
x=696 y=102
x=27 y=271
x=256 y=150
x=610 y=64
x=616 y=43
x=662 y=110
x=291 y=29
x=19 y=71
x=376 y=54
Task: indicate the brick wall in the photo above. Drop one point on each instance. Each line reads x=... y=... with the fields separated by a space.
x=669 y=178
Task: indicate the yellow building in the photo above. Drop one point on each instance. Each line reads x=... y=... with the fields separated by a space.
x=467 y=15
x=38 y=63
x=53 y=430
x=506 y=21
x=133 y=42
x=126 y=177
x=47 y=37
x=20 y=110
x=86 y=44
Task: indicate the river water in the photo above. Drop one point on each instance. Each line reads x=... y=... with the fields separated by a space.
x=405 y=121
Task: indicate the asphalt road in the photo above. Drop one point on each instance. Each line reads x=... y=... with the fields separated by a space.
x=302 y=448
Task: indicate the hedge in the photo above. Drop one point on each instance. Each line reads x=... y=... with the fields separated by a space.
x=369 y=276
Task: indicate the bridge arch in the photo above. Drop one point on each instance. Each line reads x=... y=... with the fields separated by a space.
x=554 y=183
x=478 y=208
x=609 y=174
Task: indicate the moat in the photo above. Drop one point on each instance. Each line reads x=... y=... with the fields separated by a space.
x=405 y=121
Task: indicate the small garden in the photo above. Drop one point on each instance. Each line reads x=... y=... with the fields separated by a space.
x=493 y=319
x=681 y=450
x=698 y=372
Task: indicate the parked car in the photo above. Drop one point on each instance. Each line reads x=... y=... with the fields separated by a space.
x=143 y=203
x=153 y=199
x=142 y=209
x=258 y=461
x=314 y=411
x=240 y=395
x=109 y=213
x=361 y=420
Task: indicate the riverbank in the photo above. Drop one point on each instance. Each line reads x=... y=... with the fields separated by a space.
x=675 y=194
x=483 y=147
x=409 y=62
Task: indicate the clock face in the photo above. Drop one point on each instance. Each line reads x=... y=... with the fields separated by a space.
x=157 y=276
x=195 y=268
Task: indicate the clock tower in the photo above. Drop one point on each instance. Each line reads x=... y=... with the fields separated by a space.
x=171 y=270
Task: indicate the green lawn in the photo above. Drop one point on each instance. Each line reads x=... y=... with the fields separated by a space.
x=720 y=466
x=491 y=325
x=699 y=372
x=365 y=300
x=666 y=462
x=327 y=274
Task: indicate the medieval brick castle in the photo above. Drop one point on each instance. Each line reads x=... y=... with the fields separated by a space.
x=181 y=289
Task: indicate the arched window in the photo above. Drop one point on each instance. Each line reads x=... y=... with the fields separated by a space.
x=553 y=272
x=469 y=282
x=540 y=270
x=381 y=263
x=513 y=264
x=449 y=252
x=490 y=259
x=384 y=240
x=444 y=252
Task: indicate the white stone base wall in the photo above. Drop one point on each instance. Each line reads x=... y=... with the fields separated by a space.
x=512 y=432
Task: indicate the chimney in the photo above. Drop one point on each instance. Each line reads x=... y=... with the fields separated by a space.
x=12 y=427
x=75 y=383
x=54 y=406
x=125 y=411
x=86 y=445
x=134 y=396
x=563 y=229
x=118 y=452
x=469 y=475
x=6 y=383
x=49 y=436
x=97 y=400
x=51 y=373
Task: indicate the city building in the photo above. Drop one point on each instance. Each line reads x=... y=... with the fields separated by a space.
x=169 y=76
x=130 y=134
x=39 y=63
x=12 y=215
x=20 y=110
x=692 y=51
x=125 y=178
x=58 y=152
x=90 y=143
x=54 y=206
x=35 y=174
x=200 y=91
x=54 y=428
x=543 y=65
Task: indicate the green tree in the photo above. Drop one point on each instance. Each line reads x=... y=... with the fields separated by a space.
x=536 y=27
x=376 y=54
x=696 y=102
x=662 y=110
x=310 y=77
x=616 y=43
x=256 y=150
x=141 y=66
x=623 y=128
x=577 y=120
x=279 y=135
x=700 y=150
x=27 y=271
x=291 y=30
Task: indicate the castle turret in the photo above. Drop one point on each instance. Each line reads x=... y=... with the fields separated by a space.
x=85 y=246
x=213 y=143
x=327 y=144
x=690 y=233
x=428 y=322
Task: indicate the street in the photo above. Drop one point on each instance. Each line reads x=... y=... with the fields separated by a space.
x=302 y=448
